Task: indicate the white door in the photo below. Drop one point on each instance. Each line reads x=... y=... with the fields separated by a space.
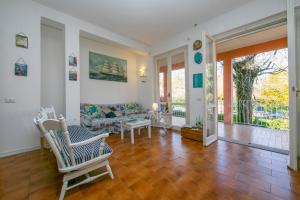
x=293 y=19
x=210 y=123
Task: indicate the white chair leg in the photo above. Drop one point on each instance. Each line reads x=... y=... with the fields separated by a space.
x=63 y=190
x=109 y=171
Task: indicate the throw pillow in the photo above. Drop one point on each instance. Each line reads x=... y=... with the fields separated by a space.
x=110 y=115
x=106 y=110
x=113 y=108
x=118 y=113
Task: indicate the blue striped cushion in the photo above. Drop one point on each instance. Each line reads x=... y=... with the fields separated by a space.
x=79 y=134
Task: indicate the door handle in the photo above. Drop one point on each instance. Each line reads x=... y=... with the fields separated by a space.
x=295 y=89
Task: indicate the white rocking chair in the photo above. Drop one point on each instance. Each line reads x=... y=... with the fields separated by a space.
x=44 y=113
x=77 y=152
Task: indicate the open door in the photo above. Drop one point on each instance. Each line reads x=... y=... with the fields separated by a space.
x=210 y=123
x=293 y=19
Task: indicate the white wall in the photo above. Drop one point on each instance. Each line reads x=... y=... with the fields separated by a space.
x=145 y=86
x=53 y=68
x=16 y=126
x=25 y=16
x=101 y=91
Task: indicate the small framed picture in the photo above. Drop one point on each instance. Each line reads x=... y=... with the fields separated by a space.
x=73 y=61
x=20 y=69
x=72 y=75
x=198 y=80
x=22 y=41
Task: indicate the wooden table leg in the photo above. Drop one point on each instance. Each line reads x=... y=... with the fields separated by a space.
x=132 y=135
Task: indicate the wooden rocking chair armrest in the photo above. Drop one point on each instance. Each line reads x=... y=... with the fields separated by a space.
x=93 y=139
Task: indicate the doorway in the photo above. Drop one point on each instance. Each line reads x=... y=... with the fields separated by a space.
x=171 y=85
x=53 y=65
x=253 y=89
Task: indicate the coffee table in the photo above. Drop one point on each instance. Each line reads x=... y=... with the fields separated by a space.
x=136 y=123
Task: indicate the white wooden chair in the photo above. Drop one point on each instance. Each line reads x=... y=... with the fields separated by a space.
x=44 y=113
x=161 y=118
x=77 y=152
x=49 y=111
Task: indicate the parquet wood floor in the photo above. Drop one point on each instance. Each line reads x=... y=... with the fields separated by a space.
x=163 y=168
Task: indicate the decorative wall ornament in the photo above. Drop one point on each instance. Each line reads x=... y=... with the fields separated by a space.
x=21 y=40
x=21 y=67
x=198 y=80
x=72 y=75
x=103 y=67
x=73 y=60
x=198 y=58
x=197 y=45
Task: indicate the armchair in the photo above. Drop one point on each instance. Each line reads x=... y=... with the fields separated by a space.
x=77 y=151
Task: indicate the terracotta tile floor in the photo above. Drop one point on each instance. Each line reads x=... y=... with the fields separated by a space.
x=160 y=168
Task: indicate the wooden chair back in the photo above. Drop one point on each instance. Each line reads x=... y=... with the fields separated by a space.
x=51 y=128
x=49 y=112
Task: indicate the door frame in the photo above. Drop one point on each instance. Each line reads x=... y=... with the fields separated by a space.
x=209 y=140
x=285 y=17
x=293 y=129
x=168 y=55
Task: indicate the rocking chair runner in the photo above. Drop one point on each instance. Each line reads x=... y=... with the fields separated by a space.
x=77 y=152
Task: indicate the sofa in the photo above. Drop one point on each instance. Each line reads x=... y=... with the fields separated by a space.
x=106 y=118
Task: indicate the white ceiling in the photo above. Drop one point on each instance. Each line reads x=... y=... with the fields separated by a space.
x=252 y=39
x=147 y=21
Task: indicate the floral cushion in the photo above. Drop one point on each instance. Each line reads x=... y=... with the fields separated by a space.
x=107 y=117
x=92 y=111
x=132 y=108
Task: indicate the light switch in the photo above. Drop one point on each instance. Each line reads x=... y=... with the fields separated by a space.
x=9 y=100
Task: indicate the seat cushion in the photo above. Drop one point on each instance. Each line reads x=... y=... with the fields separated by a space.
x=86 y=152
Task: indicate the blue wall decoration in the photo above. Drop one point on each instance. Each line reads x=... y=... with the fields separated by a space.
x=21 y=67
x=198 y=58
x=198 y=80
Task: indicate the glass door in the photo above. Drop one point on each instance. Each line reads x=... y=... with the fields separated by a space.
x=293 y=19
x=210 y=126
x=171 y=86
x=163 y=76
x=178 y=95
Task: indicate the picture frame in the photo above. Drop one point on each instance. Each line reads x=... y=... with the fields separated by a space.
x=21 y=40
x=72 y=75
x=21 y=69
x=108 y=68
x=73 y=61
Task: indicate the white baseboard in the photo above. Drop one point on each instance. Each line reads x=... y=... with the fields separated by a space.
x=22 y=150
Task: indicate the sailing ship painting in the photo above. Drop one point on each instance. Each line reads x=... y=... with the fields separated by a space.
x=103 y=67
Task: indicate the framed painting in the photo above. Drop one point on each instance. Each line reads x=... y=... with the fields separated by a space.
x=73 y=61
x=22 y=41
x=103 y=67
x=72 y=75
x=20 y=69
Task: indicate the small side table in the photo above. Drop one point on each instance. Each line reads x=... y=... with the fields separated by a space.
x=131 y=125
